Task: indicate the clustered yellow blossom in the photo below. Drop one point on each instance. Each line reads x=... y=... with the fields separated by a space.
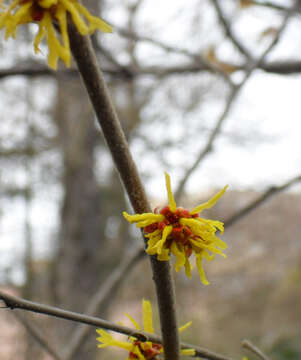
x=136 y=348
x=46 y=13
x=181 y=232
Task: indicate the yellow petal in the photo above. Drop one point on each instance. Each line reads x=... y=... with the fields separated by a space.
x=201 y=271
x=214 y=250
x=166 y=231
x=94 y=22
x=12 y=21
x=38 y=39
x=194 y=225
x=156 y=233
x=217 y=224
x=207 y=256
x=188 y=352
x=152 y=242
x=187 y=268
x=171 y=200
x=179 y=252
x=107 y=339
x=197 y=245
x=56 y=50
x=185 y=326
x=208 y=204
x=143 y=219
x=137 y=326
x=46 y=4
x=147 y=316
x=77 y=20
x=220 y=243
x=164 y=256
x=135 y=350
x=62 y=19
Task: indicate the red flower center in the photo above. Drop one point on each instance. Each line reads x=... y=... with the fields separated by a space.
x=149 y=353
x=37 y=12
x=180 y=233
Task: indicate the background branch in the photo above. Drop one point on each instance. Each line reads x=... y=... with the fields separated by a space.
x=273 y=190
x=228 y=31
x=248 y=345
x=14 y=302
x=231 y=99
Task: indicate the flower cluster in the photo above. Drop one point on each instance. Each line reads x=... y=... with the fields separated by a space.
x=181 y=232
x=136 y=348
x=46 y=13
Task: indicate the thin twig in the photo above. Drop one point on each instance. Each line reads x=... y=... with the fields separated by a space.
x=254 y=64
x=198 y=60
x=102 y=294
x=227 y=29
x=209 y=145
x=248 y=345
x=273 y=190
x=14 y=302
x=110 y=125
x=284 y=67
x=274 y=6
x=36 y=335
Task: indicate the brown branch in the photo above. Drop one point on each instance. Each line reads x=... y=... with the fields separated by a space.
x=116 y=141
x=274 y=6
x=248 y=345
x=231 y=99
x=14 y=302
x=228 y=31
x=209 y=145
x=168 y=48
x=198 y=61
x=273 y=190
x=285 y=67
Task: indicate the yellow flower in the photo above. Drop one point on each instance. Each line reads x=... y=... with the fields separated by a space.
x=181 y=232
x=136 y=348
x=46 y=13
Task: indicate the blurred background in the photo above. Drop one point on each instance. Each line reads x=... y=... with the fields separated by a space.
x=207 y=90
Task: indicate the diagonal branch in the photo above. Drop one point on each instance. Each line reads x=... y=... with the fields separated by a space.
x=198 y=60
x=273 y=190
x=274 y=6
x=254 y=349
x=14 y=302
x=231 y=99
x=228 y=31
x=209 y=145
x=116 y=141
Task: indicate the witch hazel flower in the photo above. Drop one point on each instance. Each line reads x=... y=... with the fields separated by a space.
x=141 y=350
x=46 y=14
x=178 y=231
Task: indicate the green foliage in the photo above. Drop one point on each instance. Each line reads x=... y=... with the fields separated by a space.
x=287 y=349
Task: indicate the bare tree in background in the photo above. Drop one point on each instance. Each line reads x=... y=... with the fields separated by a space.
x=148 y=94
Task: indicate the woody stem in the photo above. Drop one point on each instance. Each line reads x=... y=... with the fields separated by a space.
x=92 y=77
